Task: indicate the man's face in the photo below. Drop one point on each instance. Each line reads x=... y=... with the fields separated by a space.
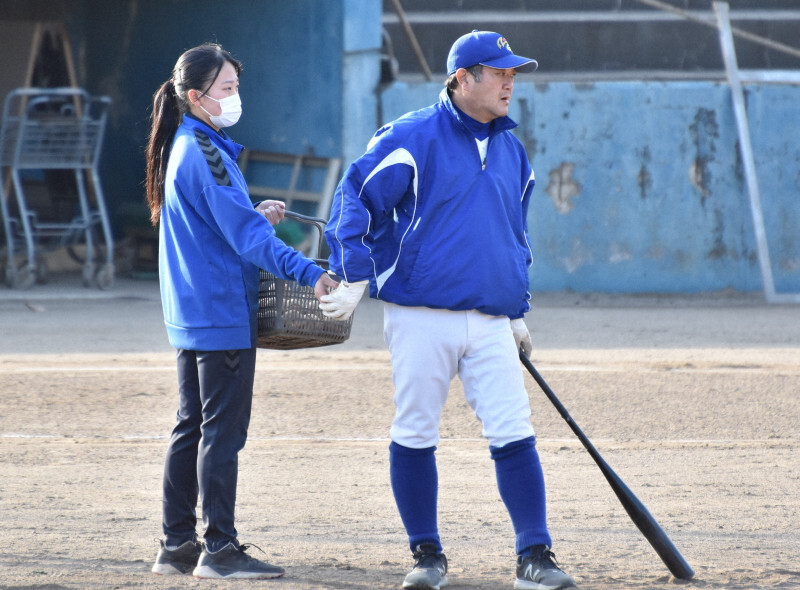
x=488 y=99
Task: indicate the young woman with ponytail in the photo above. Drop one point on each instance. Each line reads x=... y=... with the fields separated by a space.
x=212 y=242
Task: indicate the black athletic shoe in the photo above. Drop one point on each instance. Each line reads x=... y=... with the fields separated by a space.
x=430 y=569
x=538 y=571
x=232 y=562
x=177 y=561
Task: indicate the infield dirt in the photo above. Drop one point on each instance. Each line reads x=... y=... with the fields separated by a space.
x=692 y=400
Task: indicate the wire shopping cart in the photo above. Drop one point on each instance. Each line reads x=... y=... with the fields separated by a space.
x=46 y=130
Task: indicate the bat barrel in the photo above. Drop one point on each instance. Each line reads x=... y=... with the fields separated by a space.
x=637 y=511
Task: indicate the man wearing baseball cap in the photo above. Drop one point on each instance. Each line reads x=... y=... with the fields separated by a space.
x=433 y=219
x=487 y=49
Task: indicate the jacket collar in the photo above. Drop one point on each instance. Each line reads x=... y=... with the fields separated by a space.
x=218 y=138
x=500 y=124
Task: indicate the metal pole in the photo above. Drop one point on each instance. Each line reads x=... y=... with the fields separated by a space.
x=746 y=149
x=787 y=49
x=398 y=8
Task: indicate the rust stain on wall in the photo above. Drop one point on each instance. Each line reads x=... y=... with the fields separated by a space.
x=697 y=176
x=644 y=180
x=704 y=132
x=563 y=188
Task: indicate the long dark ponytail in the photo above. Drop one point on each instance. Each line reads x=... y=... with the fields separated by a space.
x=196 y=69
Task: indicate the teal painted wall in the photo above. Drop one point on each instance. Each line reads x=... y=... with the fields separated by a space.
x=640 y=187
x=291 y=85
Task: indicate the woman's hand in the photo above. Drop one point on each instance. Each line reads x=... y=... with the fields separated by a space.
x=325 y=284
x=274 y=211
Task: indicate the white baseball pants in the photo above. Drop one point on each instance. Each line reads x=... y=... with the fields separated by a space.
x=431 y=346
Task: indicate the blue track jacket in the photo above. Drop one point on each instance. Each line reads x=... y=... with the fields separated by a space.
x=212 y=243
x=429 y=224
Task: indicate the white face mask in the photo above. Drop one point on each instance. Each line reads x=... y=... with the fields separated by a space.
x=231 y=111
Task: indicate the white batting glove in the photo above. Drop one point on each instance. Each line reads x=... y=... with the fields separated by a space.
x=521 y=336
x=340 y=303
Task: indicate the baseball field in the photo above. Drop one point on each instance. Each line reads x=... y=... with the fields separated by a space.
x=694 y=401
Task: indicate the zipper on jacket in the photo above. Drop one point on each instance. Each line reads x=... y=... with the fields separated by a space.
x=483 y=162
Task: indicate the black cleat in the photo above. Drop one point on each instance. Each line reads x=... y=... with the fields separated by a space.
x=430 y=569
x=538 y=571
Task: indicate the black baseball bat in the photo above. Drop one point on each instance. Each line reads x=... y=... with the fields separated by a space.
x=639 y=514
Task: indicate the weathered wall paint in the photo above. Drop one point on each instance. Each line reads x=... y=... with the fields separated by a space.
x=640 y=185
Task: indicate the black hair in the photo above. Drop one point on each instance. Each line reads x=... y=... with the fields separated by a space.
x=476 y=71
x=196 y=69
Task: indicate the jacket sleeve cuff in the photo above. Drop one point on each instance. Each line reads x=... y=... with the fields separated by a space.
x=313 y=274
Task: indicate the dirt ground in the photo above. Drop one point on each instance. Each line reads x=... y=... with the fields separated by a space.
x=692 y=400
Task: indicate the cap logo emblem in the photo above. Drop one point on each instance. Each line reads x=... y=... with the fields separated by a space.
x=502 y=43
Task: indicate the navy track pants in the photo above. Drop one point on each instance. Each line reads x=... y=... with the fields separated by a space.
x=216 y=394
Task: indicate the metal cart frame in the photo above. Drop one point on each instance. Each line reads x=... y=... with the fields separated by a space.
x=53 y=129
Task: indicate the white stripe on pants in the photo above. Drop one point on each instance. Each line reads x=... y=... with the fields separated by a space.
x=431 y=346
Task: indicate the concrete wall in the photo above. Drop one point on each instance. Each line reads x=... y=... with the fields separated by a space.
x=640 y=185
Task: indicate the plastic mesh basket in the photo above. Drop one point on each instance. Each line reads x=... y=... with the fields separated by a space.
x=289 y=316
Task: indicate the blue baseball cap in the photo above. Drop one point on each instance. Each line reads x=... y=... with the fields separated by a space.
x=488 y=49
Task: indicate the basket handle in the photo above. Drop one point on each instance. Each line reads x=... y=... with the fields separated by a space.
x=317 y=222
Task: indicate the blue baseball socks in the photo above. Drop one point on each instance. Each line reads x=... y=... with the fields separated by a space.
x=415 y=483
x=521 y=484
